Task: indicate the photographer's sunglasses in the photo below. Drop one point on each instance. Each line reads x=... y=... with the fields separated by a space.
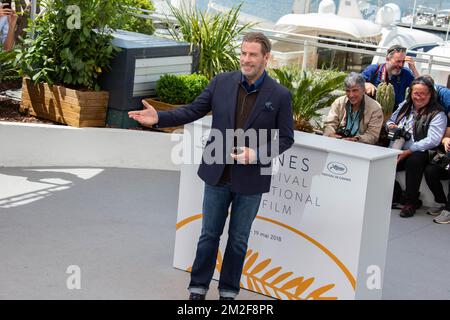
x=396 y=49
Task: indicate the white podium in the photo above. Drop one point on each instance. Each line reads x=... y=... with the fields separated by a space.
x=322 y=230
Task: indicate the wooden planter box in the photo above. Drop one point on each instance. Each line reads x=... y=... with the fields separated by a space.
x=68 y=106
x=162 y=106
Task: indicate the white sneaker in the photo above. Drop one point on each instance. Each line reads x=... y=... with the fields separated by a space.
x=436 y=209
x=443 y=218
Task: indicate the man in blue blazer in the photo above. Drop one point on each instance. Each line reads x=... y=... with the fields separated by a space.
x=245 y=101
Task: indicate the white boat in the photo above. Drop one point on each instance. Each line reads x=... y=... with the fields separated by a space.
x=349 y=25
x=440 y=74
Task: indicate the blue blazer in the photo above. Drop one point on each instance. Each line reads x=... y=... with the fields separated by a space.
x=272 y=110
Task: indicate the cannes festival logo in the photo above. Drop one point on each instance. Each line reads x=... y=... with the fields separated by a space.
x=337 y=168
x=270 y=276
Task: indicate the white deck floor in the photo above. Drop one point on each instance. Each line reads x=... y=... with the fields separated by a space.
x=118 y=226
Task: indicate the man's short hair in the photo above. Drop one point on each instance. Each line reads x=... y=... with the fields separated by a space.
x=260 y=38
x=393 y=49
x=354 y=79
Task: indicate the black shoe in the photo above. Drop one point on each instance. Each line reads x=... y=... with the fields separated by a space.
x=225 y=298
x=197 y=296
x=407 y=211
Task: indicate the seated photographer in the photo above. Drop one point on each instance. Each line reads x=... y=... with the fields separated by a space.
x=355 y=116
x=438 y=170
x=443 y=95
x=415 y=127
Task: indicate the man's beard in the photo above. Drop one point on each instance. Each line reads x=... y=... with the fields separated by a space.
x=395 y=71
x=252 y=73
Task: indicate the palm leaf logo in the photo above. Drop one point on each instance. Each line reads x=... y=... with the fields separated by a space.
x=276 y=283
x=273 y=282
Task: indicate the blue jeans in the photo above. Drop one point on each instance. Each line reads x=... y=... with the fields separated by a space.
x=216 y=201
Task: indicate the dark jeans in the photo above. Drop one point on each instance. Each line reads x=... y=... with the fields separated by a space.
x=414 y=167
x=433 y=175
x=244 y=208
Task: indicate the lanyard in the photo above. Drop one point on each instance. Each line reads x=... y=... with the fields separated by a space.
x=352 y=119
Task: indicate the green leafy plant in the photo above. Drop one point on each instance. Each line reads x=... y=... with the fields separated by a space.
x=70 y=56
x=8 y=71
x=180 y=89
x=311 y=91
x=213 y=36
x=169 y=89
x=127 y=21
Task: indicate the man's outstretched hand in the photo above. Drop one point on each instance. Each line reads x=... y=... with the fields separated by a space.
x=147 y=117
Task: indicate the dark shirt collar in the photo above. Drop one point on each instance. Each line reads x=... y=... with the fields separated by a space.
x=256 y=85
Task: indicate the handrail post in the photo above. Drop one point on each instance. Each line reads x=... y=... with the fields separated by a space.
x=430 y=62
x=305 y=54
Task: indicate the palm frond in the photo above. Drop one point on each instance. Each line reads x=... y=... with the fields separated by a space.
x=215 y=36
x=311 y=90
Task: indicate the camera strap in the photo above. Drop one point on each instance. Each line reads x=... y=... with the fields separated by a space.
x=407 y=122
x=352 y=119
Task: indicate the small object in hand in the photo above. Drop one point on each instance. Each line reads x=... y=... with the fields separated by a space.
x=6 y=4
x=237 y=151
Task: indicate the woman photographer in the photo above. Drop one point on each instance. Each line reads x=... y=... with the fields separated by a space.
x=423 y=118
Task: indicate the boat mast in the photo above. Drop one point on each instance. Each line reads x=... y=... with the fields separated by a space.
x=413 y=14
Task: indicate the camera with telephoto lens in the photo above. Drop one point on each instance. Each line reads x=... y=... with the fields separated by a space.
x=397 y=133
x=344 y=132
x=441 y=159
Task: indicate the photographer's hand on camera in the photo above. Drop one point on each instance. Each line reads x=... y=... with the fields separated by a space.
x=4 y=11
x=446 y=144
x=12 y=19
x=392 y=126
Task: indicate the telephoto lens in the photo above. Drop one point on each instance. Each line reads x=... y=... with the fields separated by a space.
x=398 y=143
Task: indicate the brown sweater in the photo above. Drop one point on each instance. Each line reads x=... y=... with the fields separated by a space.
x=244 y=106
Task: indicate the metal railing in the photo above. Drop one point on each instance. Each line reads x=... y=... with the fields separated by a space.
x=308 y=40
x=333 y=44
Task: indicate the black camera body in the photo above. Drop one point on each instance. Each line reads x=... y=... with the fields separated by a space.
x=442 y=160
x=344 y=132
x=397 y=133
x=6 y=4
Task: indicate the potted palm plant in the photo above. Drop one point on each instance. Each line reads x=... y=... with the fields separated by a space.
x=311 y=91
x=212 y=37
